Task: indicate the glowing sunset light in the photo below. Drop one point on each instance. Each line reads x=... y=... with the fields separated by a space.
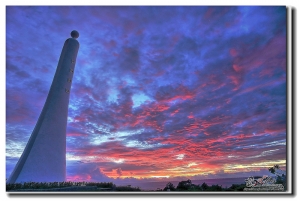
x=180 y=156
x=191 y=164
x=160 y=176
x=118 y=160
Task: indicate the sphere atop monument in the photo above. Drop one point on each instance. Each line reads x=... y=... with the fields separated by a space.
x=74 y=34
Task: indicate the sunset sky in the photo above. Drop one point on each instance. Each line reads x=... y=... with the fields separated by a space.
x=158 y=92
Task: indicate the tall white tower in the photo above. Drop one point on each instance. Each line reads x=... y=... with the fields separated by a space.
x=44 y=157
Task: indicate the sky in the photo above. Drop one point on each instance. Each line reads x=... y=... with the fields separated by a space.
x=158 y=92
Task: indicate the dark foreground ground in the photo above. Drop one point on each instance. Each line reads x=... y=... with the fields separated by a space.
x=109 y=186
x=65 y=189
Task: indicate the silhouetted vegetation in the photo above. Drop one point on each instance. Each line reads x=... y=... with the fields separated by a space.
x=169 y=186
x=280 y=175
x=184 y=185
x=204 y=186
x=127 y=188
x=76 y=186
x=101 y=185
x=69 y=186
x=236 y=187
x=189 y=186
x=109 y=186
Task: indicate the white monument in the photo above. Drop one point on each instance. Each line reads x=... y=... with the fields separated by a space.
x=44 y=157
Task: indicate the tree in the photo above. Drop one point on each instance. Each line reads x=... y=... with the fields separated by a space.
x=204 y=186
x=236 y=187
x=215 y=188
x=184 y=185
x=279 y=174
x=169 y=186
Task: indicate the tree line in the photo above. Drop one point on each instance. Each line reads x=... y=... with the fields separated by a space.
x=189 y=186
x=280 y=177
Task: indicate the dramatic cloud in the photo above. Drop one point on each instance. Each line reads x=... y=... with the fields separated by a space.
x=158 y=92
